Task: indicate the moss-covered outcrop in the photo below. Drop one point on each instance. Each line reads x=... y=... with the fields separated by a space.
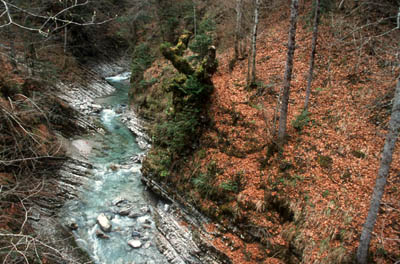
x=176 y=135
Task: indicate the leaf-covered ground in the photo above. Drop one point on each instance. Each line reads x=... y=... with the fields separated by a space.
x=325 y=174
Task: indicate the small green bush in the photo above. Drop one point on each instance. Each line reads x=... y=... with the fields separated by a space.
x=176 y=133
x=230 y=186
x=204 y=38
x=301 y=120
x=200 y=44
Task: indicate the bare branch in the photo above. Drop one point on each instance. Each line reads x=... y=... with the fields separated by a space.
x=45 y=29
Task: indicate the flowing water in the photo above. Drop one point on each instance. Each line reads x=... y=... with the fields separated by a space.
x=115 y=190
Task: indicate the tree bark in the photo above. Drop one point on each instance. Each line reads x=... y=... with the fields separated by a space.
x=13 y=57
x=386 y=160
x=254 y=42
x=195 y=18
x=248 y=66
x=288 y=72
x=313 y=51
x=238 y=28
x=65 y=39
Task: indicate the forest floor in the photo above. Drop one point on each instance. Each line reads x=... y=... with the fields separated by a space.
x=325 y=174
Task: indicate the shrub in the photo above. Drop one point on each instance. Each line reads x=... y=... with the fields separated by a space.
x=204 y=38
x=176 y=132
x=200 y=44
x=230 y=186
x=301 y=120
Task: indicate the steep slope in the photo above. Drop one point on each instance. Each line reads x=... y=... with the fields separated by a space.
x=321 y=181
x=306 y=202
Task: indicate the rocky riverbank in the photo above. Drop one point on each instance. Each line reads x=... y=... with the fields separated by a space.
x=180 y=243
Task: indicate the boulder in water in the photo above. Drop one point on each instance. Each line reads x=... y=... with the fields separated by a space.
x=124 y=211
x=147 y=244
x=136 y=234
x=114 y=167
x=104 y=222
x=73 y=226
x=134 y=243
x=101 y=235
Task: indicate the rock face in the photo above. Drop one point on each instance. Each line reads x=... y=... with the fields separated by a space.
x=180 y=243
x=138 y=127
x=104 y=223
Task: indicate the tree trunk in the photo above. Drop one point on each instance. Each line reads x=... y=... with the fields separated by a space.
x=65 y=39
x=288 y=72
x=313 y=51
x=13 y=57
x=386 y=160
x=248 y=66
x=238 y=28
x=195 y=18
x=253 y=43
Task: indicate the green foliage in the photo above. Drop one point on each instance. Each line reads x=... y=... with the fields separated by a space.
x=230 y=186
x=205 y=185
x=170 y=14
x=193 y=86
x=207 y=25
x=301 y=120
x=146 y=83
x=200 y=44
x=142 y=59
x=176 y=132
x=204 y=37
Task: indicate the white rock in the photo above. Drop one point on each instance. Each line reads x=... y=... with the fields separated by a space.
x=104 y=222
x=147 y=245
x=134 y=243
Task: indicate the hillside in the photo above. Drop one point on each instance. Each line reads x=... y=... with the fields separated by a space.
x=214 y=146
x=306 y=202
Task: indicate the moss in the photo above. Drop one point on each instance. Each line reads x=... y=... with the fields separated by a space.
x=176 y=133
x=358 y=154
x=325 y=161
x=285 y=165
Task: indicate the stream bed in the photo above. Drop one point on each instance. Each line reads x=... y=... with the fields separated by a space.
x=113 y=194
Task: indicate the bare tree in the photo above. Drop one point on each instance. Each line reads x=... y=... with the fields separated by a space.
x=253 y=43
x=10 y=14
x=195 y=17
x=238 y=28
x=386 y=160
x=313 y=51
x=288 y=71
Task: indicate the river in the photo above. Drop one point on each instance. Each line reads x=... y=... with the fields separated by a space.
x=115 y=190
